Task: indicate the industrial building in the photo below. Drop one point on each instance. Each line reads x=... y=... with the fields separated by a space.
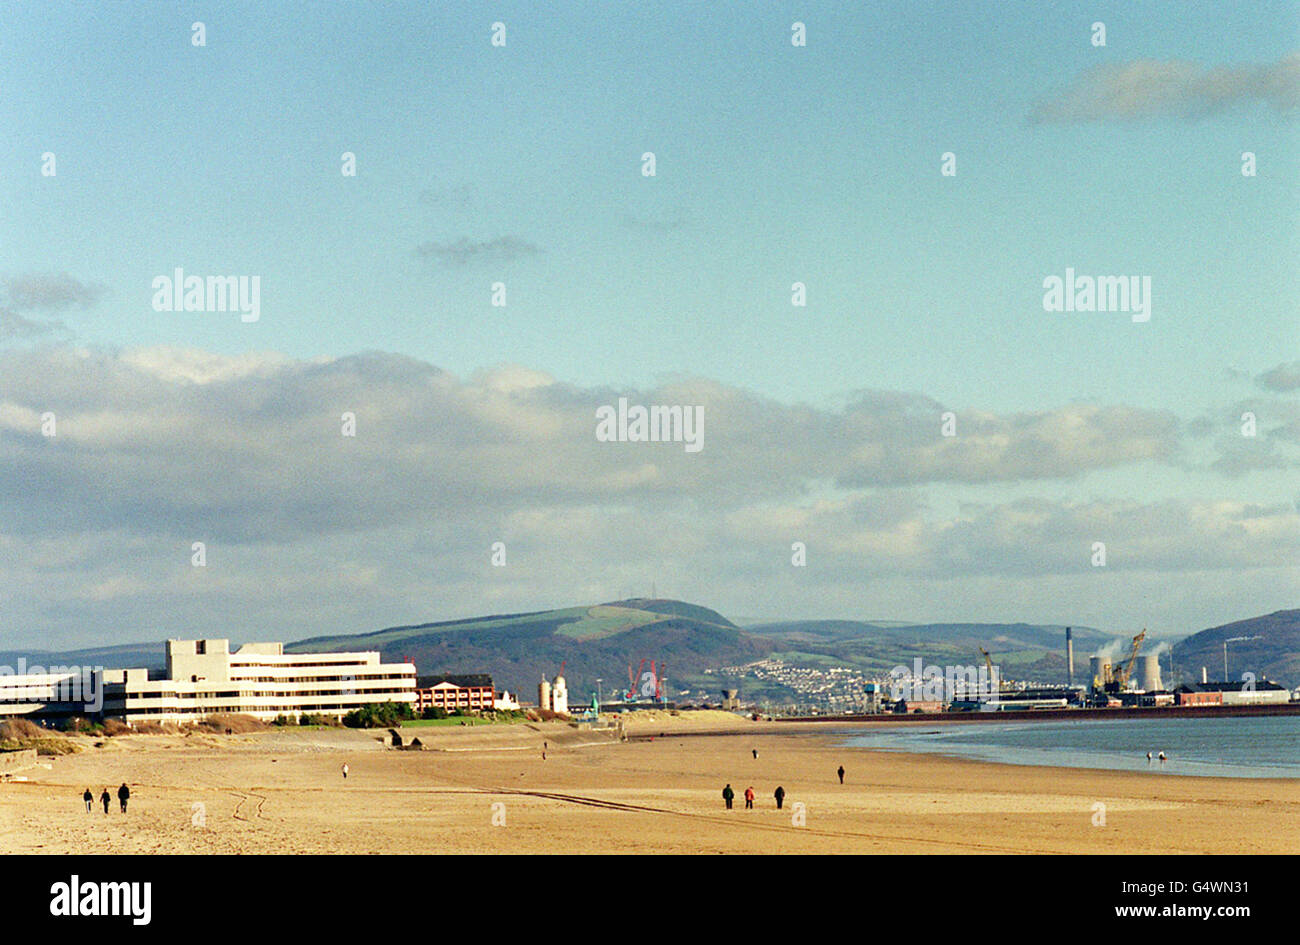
x=259 y=679
x=1232 y=693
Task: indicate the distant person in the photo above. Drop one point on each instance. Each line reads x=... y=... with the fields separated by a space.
x=1162 y=757
x=345 y=771
x=105 y=799
x=841 y=774
x=1148 y=756
x=749 y=798
x=89 y=799
x=779 y=794
x=756 y=753
x=123 y=794
x=727 y=795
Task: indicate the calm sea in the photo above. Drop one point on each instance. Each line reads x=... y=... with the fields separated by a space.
x=1259 y=747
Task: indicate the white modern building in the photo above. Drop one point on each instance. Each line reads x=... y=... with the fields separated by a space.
x=54 y=691
x=204 y=677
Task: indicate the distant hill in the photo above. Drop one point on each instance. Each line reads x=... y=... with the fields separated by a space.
x=123 y=656
x=600 y=641
x=1275 y=656
x=596 y=642
x=1022 y=651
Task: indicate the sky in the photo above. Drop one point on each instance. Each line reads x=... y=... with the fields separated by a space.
x=479 y=163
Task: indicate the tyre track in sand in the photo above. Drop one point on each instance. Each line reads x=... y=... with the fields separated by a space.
x=244 y=798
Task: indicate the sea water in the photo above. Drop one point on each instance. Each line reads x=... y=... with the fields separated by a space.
x=1241 y=747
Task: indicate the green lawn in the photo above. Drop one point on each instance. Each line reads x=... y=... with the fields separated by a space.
x=429 y=723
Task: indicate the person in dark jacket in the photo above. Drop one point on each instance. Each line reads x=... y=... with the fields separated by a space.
x=841 y=774
x=123 y=793
x=105 y=799
x=89 y=799
x=727 y=795
x=755 y=753
x=779 y=794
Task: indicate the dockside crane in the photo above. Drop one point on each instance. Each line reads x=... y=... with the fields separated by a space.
x=1120 y=678
x=993 y=673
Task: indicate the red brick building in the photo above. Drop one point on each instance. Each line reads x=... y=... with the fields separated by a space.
x=1186 y=695
x=473 y=693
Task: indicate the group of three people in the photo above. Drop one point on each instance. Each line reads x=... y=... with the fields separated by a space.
x=729 y=795
x=123 y=793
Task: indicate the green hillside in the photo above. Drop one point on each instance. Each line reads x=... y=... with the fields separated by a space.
x=597 y=642
x=1276 y=655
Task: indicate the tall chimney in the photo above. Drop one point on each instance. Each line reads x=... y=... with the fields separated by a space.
x=1069 y=654
x=1205 y=677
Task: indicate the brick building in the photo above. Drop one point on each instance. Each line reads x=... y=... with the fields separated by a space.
x=467 y=693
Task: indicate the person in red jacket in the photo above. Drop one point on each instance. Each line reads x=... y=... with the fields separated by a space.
x=749 y=798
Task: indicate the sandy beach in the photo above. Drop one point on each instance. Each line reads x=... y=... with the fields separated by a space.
x=487 y=789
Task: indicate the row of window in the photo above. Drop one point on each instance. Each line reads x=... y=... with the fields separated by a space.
x=259 y=694
x=303 y=708
x=316 y=679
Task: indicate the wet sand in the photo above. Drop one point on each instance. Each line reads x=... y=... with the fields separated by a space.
x=488 y=790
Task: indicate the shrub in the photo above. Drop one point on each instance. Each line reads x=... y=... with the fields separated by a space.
x=379 y=715
x=116 y=727
x=18 y=729
x=433 y=712
x=309 y=718
x=236 y=722
x=156 y=728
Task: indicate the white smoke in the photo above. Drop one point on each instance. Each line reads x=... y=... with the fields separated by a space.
x=1111 y=650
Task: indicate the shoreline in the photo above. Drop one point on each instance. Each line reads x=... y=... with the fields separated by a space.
x=1066 y=715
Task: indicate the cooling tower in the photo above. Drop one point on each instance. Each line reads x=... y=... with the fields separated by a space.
x=544 y=695
x=1149 y=673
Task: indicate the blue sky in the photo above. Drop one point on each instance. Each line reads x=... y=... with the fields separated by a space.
x=775 y=164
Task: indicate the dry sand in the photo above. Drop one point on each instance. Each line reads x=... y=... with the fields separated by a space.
x=283 y=792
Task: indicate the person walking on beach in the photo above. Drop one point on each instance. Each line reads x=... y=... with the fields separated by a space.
x=749 y=798
x=105 y=799
x=1148 y=756
x=779 y=794
x=123 y=793
x=756 y=753
x=345 y=771
x=841 y=774
x=89 y=799
x=727 y=795
x=1162 y=757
